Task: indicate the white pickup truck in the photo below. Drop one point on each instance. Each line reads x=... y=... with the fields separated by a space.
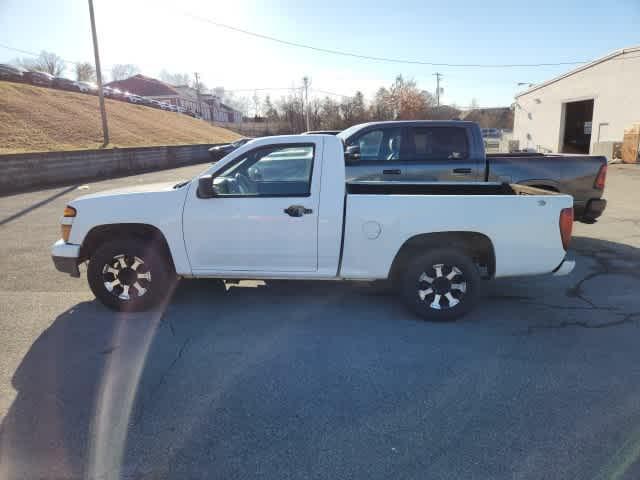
x=279 y=208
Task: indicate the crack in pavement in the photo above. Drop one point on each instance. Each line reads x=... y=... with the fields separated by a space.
x=603 y=259
x=153 y=390
x=627 y=318
x=525 y=300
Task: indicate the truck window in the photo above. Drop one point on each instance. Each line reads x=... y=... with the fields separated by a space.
x=380 y=145
x=272 y=171
x=437 y=143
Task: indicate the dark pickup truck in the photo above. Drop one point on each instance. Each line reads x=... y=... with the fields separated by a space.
x=453 y=151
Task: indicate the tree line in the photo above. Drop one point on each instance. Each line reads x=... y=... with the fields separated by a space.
x=402 y=100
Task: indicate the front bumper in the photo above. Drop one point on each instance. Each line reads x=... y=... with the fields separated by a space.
x=65 y=257
x=565 y=268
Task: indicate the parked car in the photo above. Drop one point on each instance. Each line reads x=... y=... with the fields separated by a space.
x=87 y=87
x=64 y=84
x=306 y=222
x=43 y=79
x=322 y=132
x=491 y=133
x=131 y=98
x=453 y=151
x=11 y=73
x=220 y=151
x=112 y=93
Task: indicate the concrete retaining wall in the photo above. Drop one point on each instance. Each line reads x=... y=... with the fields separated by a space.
x=23 y=171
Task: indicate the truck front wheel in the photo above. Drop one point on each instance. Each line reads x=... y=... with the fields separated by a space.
x=130 y=274
x=441 y=285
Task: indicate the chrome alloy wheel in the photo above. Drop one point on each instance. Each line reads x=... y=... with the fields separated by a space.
x=123 y=277
x=442 y=286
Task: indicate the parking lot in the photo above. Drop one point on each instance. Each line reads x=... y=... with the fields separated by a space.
x=320 y=380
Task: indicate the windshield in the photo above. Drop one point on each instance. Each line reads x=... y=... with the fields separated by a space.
x=343 y=135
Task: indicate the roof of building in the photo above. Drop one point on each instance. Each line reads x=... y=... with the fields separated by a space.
x=581 y=68
x=144 y=86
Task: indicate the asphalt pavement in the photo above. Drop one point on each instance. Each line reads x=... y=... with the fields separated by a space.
x=292 y=380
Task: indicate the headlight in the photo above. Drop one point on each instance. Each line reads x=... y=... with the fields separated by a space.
x=69 y=211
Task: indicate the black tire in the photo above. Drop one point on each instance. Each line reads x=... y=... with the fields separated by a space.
x=125 y=262
x=423 y=286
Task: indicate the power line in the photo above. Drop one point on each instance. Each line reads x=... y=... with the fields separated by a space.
x=369 y=57
x=325 y=92
x=261 y=89
x=27 y=52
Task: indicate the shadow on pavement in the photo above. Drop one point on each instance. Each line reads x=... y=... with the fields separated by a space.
x=39 y=204
x=293 y=379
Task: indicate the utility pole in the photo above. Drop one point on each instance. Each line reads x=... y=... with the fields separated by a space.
x=306 y=98
x=103 y=112
x=197 y=75
x=438 y=77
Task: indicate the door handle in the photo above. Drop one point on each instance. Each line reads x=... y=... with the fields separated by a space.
x=297 y=211
x=462 y=171
x=392 y=171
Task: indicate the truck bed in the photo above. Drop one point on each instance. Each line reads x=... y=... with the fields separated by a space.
x=392 y=213
x=565 y=173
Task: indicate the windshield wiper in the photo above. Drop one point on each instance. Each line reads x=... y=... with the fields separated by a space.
x=181 y=184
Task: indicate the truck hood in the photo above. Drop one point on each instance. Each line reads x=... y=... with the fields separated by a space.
x=134 y=189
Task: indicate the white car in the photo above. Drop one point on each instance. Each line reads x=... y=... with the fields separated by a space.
x=86 y=87
x=131 y=98
x=279 y=208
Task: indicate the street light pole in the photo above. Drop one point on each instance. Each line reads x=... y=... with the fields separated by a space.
x=306 y=100
x=438 y=77
x=103 y=112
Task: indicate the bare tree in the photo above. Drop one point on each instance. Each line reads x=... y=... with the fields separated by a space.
x=408 y=102
x=256 y=104
x=177 y=78
x=380 y=108
x=269 y=110
x=292 y=108
x=123 y=71
x=85 y=72
x=45 y=62
x=239 y=103
x=330 y=114
x=352 y=111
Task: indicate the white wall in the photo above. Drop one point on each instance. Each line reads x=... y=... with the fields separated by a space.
x=613 y=84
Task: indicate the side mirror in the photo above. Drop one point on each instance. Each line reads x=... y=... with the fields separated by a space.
x=352 y=153
x=205 y=187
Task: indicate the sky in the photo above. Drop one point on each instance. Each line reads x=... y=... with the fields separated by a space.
x=178 y=36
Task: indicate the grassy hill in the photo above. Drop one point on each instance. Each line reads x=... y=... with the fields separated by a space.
x=36 y=119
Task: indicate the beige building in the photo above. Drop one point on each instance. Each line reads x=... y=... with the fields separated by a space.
x=584 y=110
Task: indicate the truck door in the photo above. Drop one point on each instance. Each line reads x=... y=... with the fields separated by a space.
x=413 y=153
x=440 y=153
x=263 y=217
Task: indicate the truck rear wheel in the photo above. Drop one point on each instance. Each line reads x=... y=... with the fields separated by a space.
x=129 y=274
x=441 y=285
